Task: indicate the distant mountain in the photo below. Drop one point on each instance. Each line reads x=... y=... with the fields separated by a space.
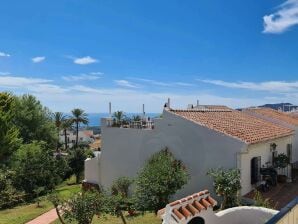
x=284 y=106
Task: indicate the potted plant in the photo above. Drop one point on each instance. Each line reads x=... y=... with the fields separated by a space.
x=281 y=161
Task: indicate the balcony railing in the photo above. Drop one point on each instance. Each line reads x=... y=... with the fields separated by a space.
x=129 y=124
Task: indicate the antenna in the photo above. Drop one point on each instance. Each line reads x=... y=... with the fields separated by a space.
x=110 y=109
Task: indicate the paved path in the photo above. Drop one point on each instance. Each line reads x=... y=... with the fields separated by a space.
x=45 y=218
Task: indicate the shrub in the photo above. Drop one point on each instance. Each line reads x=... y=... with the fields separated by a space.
x=226 y=184
x=9 y=196
x=160 y=178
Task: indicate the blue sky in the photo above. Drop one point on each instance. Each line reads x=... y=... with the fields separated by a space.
x=85 y=53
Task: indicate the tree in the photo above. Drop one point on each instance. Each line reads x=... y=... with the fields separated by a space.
x=78 y=116
x=118 y=117
x=136 y=118
x=34 y=167
x=66 y=125
x=120 y=198
x=81 y=207
x=9 y=133
x=226 y=184
x=76 y=162
x=9 y=196
x=160 y=178
x=34 y=121
x=59 y=118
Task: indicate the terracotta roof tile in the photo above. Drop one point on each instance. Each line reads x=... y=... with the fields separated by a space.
x=242 y=126
x=189 y=206
x=285 y=117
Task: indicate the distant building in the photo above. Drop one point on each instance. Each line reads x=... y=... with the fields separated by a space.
x=84 y=136
x=202 y=137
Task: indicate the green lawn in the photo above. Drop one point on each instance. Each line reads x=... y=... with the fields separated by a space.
x=24 y=213
x=148 y=218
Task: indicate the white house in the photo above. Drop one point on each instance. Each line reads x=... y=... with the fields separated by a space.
x=280 y=118
x=84 y=136
x=202 y=138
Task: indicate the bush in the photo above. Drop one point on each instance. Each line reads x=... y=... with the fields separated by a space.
x=81 y=207
x=281 y=161
x=226 y=184
x=160 y=178
x=9 y=196
x=34 y=167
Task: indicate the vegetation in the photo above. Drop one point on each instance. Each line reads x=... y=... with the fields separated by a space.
x=281 y=161
x=78 y=116
x=260 y=201
x=120 y=197
x=27 y=212
x=226 y=184
x=59 y=119
x=81 y=207
x=34 y=121
x=35 y=168
x=146 y=218
x=160 y=178
x=29 y=135
x=76 y=162
x=9 y=134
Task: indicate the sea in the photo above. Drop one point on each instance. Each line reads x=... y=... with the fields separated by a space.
x=94 y=118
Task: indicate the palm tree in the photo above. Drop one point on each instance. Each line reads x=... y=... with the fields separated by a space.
x=58 y=118
x=119 y=116
x=67 y=124
x=78 y=116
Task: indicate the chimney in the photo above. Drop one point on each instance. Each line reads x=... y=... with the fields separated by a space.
x=198 y=103
x=169 y=103
x=143 y=109
x=110 y=109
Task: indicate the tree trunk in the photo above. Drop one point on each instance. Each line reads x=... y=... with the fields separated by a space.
x=122 y=216
x=57 y=149
x=65 y=138
x=77 y=136
x=59 y=215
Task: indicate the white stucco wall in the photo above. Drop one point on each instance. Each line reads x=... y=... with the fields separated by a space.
x=124 y=151
x=263 y=150
x=92 y=169
x=244 y=215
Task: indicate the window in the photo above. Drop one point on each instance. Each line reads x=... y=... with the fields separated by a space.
x=289 y=152
x=255 y=165
x=197 y=220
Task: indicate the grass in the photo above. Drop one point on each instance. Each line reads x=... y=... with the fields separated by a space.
x=24 y=213
x=148 y=218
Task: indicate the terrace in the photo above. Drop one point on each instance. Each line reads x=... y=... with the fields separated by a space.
x=142 y=124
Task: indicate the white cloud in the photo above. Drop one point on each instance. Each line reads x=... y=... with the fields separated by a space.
x=274 y=86
x=2 y=54
x=285 y=17
x=163 y=84
x=27 y=84
x=125 y=83
x=18 y=81
x=4 y=73
x=38 y=59
x=85 y=60
x=91 y=76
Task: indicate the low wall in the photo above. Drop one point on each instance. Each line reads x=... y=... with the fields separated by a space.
x=245 y=215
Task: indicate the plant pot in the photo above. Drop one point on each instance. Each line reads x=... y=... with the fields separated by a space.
x=281 y=178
